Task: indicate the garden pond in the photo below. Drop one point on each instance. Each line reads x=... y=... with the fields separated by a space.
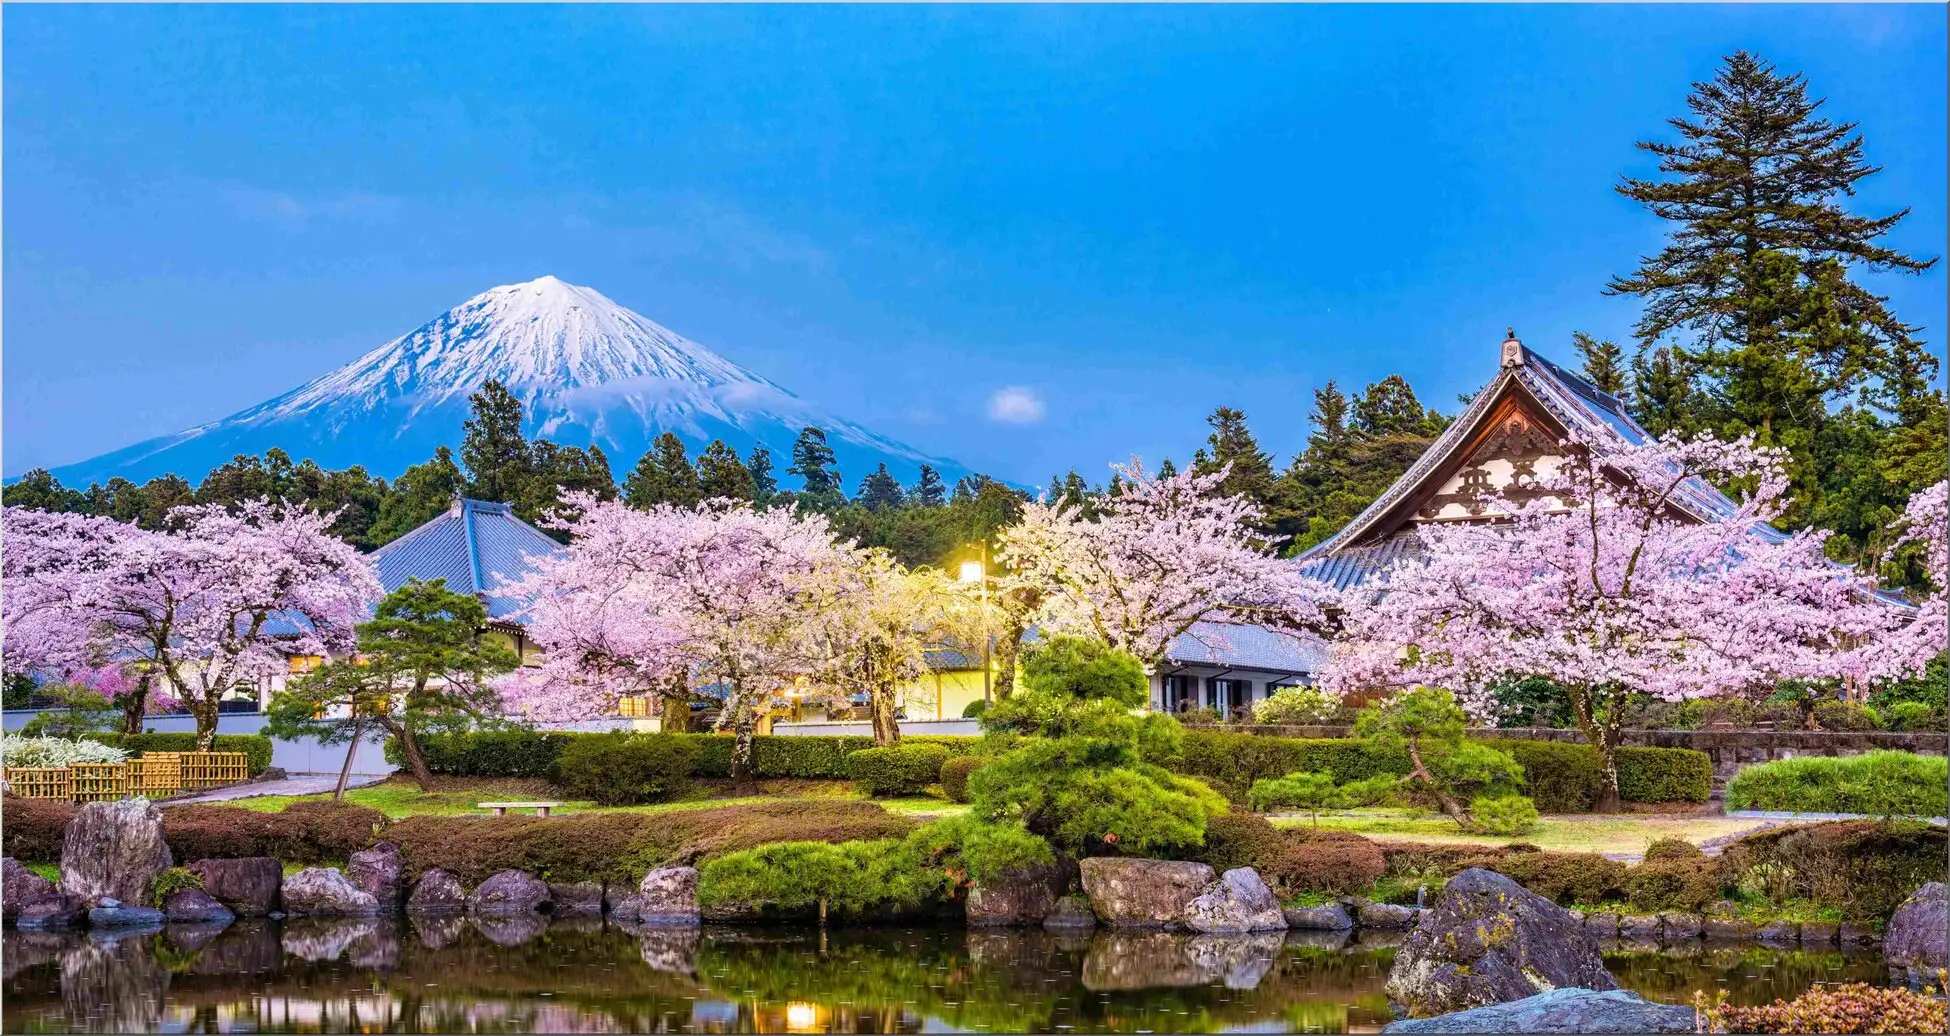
x=524 y=974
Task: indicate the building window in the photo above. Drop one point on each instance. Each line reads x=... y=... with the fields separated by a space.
x=302 y=664
x=1180 y=693
x=635 y=707
x=1228 y=696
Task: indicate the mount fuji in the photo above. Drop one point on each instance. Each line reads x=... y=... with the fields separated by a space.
x=587 y=370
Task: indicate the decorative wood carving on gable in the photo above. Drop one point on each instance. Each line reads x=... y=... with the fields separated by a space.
x=1514 y=434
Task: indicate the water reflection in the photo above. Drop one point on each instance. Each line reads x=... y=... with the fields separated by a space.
x=455 y=974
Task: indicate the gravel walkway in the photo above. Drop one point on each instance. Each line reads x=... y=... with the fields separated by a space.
x=307 y=785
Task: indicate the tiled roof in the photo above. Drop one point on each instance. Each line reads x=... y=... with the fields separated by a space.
x=1352 y=566
x=475 y=546
x=1247 y=647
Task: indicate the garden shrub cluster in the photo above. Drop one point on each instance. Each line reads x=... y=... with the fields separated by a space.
x=1558 y=778
x=171 y=881
x=47 y=750
x=954 y=776
x=903 y=769
x=1846 y=715
x=1674 y=884
x=1853 y=1008
x=308 y=831
x=33 y=829
x=620 y=847
x=1292 y=862
x=525 y=752
x=1865 y=868
x=619 y=769
x=1879 y=783
x=255 y=746
x=1672 y=849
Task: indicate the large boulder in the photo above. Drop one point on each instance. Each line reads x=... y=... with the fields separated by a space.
x=19 y=887
x=1387 y=916
x=1560 y=1010
x=381 y=871
x=195 y=906
x=1019 y=897
x=325 y=892
x=1489 y=940
x=667 y=898
x=1239 y=902
x=1143 y=893
x=248 y=885
x=1918 y=937
x=113 y=850
x=1328 y=917
x=509 y=892
x=438 y=891
x=112 y=914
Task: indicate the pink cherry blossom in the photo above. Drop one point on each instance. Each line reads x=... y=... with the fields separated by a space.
x=216 y=601
x=1603 y=586
x=1163 y=555
x=1925 y=522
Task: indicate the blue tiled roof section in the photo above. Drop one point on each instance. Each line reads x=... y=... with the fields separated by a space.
x=1247 y=647
x=1352 y=566
x=475 y=546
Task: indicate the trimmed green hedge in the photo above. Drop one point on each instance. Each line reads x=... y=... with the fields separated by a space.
x=1878 y=783
x=256 y=746
x=904 y=769
x=1559 y=778
x=522 y=752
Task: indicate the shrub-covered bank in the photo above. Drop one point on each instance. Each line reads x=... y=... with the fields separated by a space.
x=1559 y=778
x=1879 y=783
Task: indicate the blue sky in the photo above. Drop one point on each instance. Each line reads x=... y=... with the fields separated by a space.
x=1029 y=238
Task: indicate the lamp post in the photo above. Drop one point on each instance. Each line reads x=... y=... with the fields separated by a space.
x=977 y=572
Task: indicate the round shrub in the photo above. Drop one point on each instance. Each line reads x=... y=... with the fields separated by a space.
x=954 y=775
x=1689 y=885
x=1504 y=814
x=1672 y=849
x=1846 y=715
x=1864 y=867
x=1561 y=877
x=1912 y=716
x=619 y=769
x=1292 y=862
x=975 y=709
x=1297 y=706
x=170 y=882
x=905 y=769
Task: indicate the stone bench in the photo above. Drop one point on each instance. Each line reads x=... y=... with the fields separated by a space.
x=501 y=808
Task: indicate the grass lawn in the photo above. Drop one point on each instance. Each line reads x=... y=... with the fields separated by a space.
x=1618 y=835
x=399 y=797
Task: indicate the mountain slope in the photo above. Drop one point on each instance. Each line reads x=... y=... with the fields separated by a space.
x=586 y=369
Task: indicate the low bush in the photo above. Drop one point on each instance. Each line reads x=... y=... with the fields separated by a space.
x=1846 y=715
x=904 y=769
x=34 y=829
x=967 y=850
x=1664 y=775
x=1672 y=849
x=56 y=751
x=1503 y=814
x=849 y=878
x=1292 y=862
x=525 y=752
x=1864 y=868
x=622 y=846
x=954 y=775
x=1231 y=762
x=1685 y=884
x=1886 y=783
x=1558 y=778
x=256 y=747
x=975 y=709
x=170 y=882
x=619 y=769
x=495 y=752
x=1561 y=877
x=1852 y=1008
x=304 y=832
x=1297 y=706
x=1913 y=716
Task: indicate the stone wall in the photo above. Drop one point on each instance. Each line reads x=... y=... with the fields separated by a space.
x=1730 y=750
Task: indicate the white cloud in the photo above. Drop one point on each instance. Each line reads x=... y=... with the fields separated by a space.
x=1016 y=404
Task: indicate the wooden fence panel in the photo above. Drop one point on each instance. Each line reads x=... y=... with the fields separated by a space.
x=99 y=782
x=38 y=782
x=210 y=769
x=156 y=773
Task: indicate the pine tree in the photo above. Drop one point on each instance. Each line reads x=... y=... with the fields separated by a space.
x=1166 y=468
x=720 y=474
x=492 y=447
x=764 y=485
x=928 y=491
x=1389 y=407
x=1231 y=442
x=418 y=496
x=663 y=476
x=1664 y=398
x=1604 y=364
x=812 y=461
x=879 y=491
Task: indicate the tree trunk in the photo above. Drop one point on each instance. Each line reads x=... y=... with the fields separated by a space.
x=743 y=774
x=886 y=729
x=1463 y=818
x=345 y=771
x=134 y=706
x=1602 y=732
x=410 y=748
x=1007 y=647
x=1608 y=800
x=206 y=714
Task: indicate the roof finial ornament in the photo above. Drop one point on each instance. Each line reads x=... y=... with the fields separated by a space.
x=1512 y=349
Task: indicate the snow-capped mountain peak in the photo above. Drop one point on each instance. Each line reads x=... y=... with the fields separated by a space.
x=587 y=370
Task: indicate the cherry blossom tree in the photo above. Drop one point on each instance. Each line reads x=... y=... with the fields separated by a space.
x=720 y=594
x=1926 y=523
x=216 y=601
x=1601 y=585
x=1162 y=555
x=874 y=637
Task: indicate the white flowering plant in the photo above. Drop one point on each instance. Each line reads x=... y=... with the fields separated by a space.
x=56 y=751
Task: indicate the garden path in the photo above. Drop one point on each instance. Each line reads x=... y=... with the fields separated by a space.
x=309 y=785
